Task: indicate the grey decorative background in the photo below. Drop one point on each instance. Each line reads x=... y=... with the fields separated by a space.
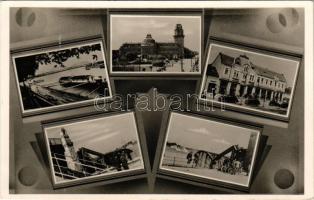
x=279 y=28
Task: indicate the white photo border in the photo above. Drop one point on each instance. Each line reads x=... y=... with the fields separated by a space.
x=257 y=142
x=247 y=109
x=99 y=177
x=36 y=111
x=166 y=15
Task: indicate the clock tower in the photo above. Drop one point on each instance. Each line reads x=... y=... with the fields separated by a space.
x=179 y=35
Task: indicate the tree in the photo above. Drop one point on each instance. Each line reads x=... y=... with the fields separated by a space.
x=26 y=66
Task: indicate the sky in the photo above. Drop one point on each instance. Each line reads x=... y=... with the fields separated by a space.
x=134 y=29
x=203 y=134
x=72 y=61
x=102 y=135
x=279 y=65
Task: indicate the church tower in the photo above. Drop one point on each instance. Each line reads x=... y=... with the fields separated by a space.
x=179 y=35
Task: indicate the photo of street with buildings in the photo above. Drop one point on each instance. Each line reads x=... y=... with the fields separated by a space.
x=249 y=80
x=209 y=149
x=62 y=76
x=94 y=147
x=165 y=44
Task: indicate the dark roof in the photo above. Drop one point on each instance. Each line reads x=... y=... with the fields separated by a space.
x=226 y=60
x=212 y=71
x=268 y=73
x=167 y=44
x=131 y=44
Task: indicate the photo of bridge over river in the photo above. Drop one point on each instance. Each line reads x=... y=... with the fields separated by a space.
x=62 y=76
x=209 y=149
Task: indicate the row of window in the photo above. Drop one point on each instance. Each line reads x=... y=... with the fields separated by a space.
x=270 y=82
x=251 y=78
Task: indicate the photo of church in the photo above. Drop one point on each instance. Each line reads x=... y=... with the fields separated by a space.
x=162 y=44
x=249 y=80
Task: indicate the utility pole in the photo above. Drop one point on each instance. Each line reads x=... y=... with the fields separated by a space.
x=182 y=70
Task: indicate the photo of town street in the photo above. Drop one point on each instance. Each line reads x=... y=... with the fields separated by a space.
x=94 y=147
x=62 y=77
x=162 y=44
x=249 y=80
x=207 y=149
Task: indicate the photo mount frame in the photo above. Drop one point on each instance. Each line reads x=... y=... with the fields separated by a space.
x=111 y=178
x=258 y=50
x=19 y=51
x=154 y=12
x=200 y=181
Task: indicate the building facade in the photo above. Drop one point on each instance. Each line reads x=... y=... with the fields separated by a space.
x=239 y=77
x=149 y=48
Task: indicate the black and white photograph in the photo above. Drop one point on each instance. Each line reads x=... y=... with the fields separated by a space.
x=179 y=99
x=162 y=44
x=209 y=149
x=249 y=80
x=61 y=76
x=93 y=148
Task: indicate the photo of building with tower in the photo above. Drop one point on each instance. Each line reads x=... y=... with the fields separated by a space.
x=249 y=79
x=167 y=44
x=80 y=151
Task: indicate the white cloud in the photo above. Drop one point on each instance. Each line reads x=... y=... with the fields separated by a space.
x=222 y=141
x=104 y=137
x=200 y=131
x=96 y=133
x=156 y=24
